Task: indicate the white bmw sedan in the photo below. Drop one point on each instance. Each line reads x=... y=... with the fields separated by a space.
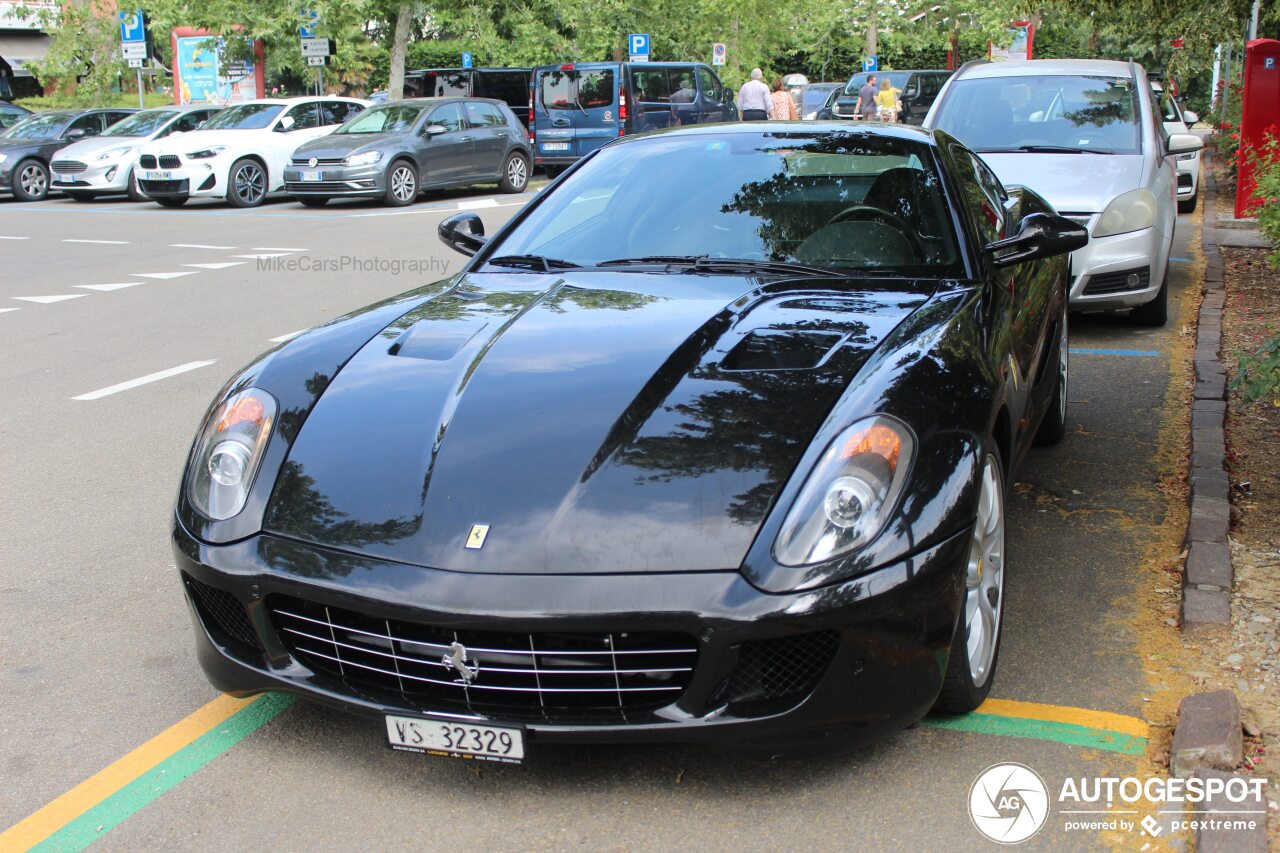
x=241 y=153
x=1085 y=134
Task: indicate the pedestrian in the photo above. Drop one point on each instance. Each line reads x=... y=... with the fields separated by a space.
x=887 y=104
x=867 y=99
x=753 y=98
x=784 y=108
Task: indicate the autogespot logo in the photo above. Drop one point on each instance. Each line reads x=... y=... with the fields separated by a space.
x=1008 y=803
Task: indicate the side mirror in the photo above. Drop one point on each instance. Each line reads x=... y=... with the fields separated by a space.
x=463 y=232
x=286 y=124
x=1184 y=143
x=1190 y=117
x=434 y=130
x=75 y=133
x=1040 y=235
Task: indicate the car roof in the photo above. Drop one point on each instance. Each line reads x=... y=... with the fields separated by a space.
x=444 y=99
x=1048 y=67
x=610 y=64
x=297 y=100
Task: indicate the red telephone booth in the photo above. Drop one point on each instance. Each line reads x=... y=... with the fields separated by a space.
x=1261 y=115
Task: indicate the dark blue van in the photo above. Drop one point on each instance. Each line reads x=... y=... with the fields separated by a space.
x=575 y=109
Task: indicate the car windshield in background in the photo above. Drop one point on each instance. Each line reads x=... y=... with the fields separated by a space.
x=1049 y=114
x=898 y=79
x=390 y=119
x=140 y=124
x=814 y=99
x=40 y=126
x=443 y=84
x=836 y=201
x=244 y=117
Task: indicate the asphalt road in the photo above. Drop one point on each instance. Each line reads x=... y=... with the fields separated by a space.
x=95 y=644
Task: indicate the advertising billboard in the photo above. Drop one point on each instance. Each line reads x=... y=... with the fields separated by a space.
x=204 y=74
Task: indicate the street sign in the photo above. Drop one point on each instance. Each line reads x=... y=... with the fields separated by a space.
x=718 y=51
x=317 y=47
x=467 y=59
x=134 y=50
x=135 y=63
x=638 y=47
x=870 y=63
x=133 y=27
x=317 y=61
x=308 y=30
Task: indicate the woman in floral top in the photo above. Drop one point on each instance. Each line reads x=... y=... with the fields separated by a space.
x=784 y=109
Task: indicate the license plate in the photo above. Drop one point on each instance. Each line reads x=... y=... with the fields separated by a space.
x=555 y=146
x=455 y=739
x=312 y=176
x=157 y=175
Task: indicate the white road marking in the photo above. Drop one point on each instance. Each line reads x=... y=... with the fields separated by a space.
x=480 y=202
x=221 y=266
x=107 y=288
x=276 y=249
x=7 y=310
x=15 y=238
x=163 y=275
x=278 y=340
x=442 y=210
x=48 y=300
x=105 y=242
x=263 y=256
x=143 y=380
x=197 y=246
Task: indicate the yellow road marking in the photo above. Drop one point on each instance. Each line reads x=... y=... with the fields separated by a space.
x=1104 y=720
x=66 y=808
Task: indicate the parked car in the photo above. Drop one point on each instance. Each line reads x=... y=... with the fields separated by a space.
x=11 y=114
x=1084 y=134
x=578 y=108
x=27 y=147
x=394 y=151
x=1177 y=120
x=919 y=90
x=509 y=85
x=814 y=97
x=104 y=165
x=710 y=443
x=241 y=153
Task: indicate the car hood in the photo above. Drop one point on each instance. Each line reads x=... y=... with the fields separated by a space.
x=590 y=422
x=195 y=140
x=86 y=148
x=342 y=145
x=1072 y=183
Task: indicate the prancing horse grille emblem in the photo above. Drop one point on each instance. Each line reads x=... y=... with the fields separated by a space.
x=457 y=660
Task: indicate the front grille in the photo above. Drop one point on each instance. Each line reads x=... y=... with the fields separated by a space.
x=320 y=161
x=774 y=675
x=170 y=161
x=164 y=186
x=324 y=186
x=1118 y=282
x=1184 y=179
x=68 y=167
x=147 y=161
x=222 y=613
x=609 y=677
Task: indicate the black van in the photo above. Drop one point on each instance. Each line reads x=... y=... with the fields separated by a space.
x=510 y=85
x=575 y=109
x=919 y=90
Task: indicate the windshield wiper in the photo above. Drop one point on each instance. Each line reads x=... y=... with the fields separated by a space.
x=705 y=263
x=537 y=263
x=1045 y=149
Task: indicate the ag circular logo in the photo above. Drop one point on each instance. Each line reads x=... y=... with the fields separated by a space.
x=1008 y=803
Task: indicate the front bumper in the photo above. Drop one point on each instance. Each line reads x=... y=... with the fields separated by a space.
x=1188 y=177
x=334 y=181
x=107 y=177
x=890 y=633
x=1103 y=267
x=194 y=179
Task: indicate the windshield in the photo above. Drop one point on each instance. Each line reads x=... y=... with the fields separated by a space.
x=40 y=126
x=395 y=118
x=813 y=99
x=897 y=79
x=141 y=124
x=832 y=200
x=995 y=114
x=244 y=117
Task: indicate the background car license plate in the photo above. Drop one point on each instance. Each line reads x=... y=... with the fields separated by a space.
x=157 y=175
x=312 y=176
x=555 y=146
x=455 y=739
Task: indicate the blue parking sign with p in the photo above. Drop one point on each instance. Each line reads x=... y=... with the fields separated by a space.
x=638 y=44
x=467 y=59
x=132 y=26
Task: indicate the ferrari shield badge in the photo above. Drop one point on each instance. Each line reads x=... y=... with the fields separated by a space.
x=475 y=539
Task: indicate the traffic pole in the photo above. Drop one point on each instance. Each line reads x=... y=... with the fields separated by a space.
x=141 y=102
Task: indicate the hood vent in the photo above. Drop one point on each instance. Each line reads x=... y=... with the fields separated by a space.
x=434 y=341
x=781 y=349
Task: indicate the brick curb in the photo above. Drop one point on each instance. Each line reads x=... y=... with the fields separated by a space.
x=1206 y=594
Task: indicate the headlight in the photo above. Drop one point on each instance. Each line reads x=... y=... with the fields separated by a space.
x=1190 y=155
x=368 y=158
x=3 y=157
x=1131 y=211
x=850 y=493
x=114 y=153
x=228 y=453
x=206 y=153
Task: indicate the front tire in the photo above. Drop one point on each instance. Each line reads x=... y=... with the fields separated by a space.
x=31 y=181
x=1054 y=426
x=170 y=202
x=135 y=189
x=246 y=183
x=402 y=184
x=515 y=173
x=313 y=201
x=76 y=195
x=1155 y=312
x=1188 y=205
x=975 y=646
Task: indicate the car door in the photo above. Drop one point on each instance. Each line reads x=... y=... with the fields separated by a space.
x=596 y=93
x=448 y=154
x=683 y=80
x=653 y=94
x=489 y=133
x=710 y=96
x=280 y=142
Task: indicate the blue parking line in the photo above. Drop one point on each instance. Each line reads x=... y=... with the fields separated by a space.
x=1138 y=353
x=1181 y=260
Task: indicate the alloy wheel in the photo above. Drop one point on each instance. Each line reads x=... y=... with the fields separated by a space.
x=33 y=181
x=517 y=173
x=250 y=183
x=403 y=185
x=984 y=579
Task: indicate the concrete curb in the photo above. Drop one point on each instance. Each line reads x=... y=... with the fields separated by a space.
x=1206 y=594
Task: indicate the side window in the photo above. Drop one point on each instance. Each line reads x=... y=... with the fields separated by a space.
x=112 y=118
x=90 y=124
x=304 y=116
x=653 y=85
x=684 y=86
x=450 y=116
x=556 y=90
x=595 y=89
x=711 y=88
x=189 y=121
x=481 y=114
x=335 y=112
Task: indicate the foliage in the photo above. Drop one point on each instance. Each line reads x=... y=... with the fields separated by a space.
x=1266 y=175
x=1258 y=374
x=84 y=60
x=116 y=99
x=1226 y=142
